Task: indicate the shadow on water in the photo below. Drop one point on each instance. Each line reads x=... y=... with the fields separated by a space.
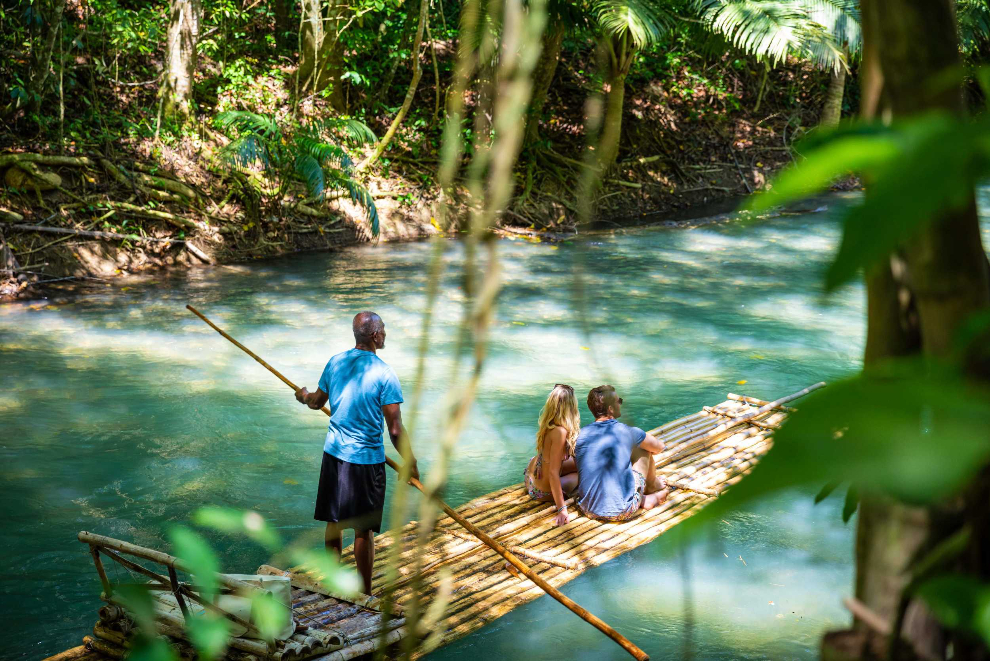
x=123 y=413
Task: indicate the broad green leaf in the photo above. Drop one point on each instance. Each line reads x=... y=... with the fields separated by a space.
x=137 y=600
x=209 y=634
x=198 y=557
x=268 y=614
x=959 y=602
x=246 y=522
x=842 y=156
x=151 y=649
x=912 y=434
x=334 y=576
x=933 y=173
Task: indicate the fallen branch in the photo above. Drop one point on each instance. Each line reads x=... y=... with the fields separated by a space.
x=159 y=195
x=114 y=236
x=71 y=161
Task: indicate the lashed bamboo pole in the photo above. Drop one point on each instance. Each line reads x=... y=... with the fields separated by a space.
x=573 y=606
x=758 y=402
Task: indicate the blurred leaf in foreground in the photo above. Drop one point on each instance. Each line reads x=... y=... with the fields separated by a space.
x=333 y=575
x=912 y=433
x=959 y=602
x=208 y=632
x=245 y=522
x=197 y=555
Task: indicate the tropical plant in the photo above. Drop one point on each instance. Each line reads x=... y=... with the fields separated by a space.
x=624 y=28
x=825 y=33
x=285 y=151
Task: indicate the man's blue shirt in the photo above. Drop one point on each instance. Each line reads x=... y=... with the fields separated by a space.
x=603 y=453
x=358 y=384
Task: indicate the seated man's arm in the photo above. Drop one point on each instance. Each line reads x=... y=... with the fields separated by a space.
x=314 y=400
x=393 y=421
x=652 y=444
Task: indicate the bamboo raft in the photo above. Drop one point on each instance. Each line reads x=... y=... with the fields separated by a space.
x=705 y=453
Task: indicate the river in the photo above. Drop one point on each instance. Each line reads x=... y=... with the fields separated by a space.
x=121 y=414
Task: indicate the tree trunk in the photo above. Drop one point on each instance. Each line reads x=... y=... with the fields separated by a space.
x=832 y=110
x=310 y=42
x=321 y=56
x=283 y=26
x=546 y=67
x=180 y=56
x=43 y=61
x=918 y=302
x=608 y=148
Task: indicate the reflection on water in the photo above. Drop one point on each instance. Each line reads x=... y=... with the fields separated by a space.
x=122 y=413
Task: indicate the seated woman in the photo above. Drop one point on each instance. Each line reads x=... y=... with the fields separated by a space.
x=551 y=474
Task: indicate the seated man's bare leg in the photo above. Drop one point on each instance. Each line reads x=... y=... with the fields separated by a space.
x=642 y=461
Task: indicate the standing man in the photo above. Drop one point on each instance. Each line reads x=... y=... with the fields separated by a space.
x=617 y=476
x=363 y=392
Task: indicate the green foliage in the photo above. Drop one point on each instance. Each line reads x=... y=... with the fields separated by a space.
x=959 y=602
x=209 y=633
x=285 y=151
x=919 y=169
x=637 y=22
x=772 y=30
x=248 y=523
x=198 y=558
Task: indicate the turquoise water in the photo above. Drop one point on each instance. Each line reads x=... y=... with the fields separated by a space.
x=121 y=414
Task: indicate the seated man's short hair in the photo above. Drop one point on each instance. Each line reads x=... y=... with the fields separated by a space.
x=599 y=400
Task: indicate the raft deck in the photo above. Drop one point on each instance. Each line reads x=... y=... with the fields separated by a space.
x=705 y=453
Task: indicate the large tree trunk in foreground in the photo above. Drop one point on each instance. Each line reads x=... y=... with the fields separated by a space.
x=832 y=110
x=180 y=56
x=546 y=67
x=608 y=148
x=916 y=303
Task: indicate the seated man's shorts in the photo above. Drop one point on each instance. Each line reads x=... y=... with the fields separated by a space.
x=633 y=507
x=351 y=494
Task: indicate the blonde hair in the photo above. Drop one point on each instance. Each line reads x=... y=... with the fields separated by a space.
x=560 y=410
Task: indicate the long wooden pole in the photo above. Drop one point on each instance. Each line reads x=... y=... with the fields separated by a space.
x=580 y=611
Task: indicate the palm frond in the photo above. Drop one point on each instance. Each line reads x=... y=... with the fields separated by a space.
x=312 y=173
x=243 y=121
x=353 y=130
x=841 y=20
x=247 y=150
x=359 y=194
x=642 y=21
x=973 y=17
x=325 y=153
x=768 y=30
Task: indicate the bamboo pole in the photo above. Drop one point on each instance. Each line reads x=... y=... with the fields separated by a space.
x=573 y=606
x=758 y=402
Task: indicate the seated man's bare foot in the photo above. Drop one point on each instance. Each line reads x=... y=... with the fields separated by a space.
x=652 y=500
x=659 y=484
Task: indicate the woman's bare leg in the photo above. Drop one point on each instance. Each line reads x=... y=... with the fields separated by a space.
x=569 y=484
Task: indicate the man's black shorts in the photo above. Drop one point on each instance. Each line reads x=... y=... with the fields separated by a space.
x=353 y=494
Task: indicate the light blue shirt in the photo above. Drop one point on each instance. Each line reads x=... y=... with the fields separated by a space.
x=358 y=384
x=603 y=454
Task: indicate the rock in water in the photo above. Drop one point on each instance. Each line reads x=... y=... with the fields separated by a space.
x=21 y=180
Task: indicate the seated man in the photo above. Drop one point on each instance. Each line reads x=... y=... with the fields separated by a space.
x=616 y=472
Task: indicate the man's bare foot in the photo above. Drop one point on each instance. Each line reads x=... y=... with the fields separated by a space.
x=659 y=484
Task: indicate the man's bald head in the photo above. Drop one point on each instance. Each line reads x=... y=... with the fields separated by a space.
x=366 y=326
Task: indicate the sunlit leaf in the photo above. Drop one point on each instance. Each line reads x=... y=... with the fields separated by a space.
x=209 y=634
x=246 y=522
x=197 y=555
x=151 y=649
x=268 y=614
x=843 y=156
x=334 y=576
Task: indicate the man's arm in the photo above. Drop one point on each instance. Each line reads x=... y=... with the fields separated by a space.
x=393 y=419
x=314 y=400
x=652 y=444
